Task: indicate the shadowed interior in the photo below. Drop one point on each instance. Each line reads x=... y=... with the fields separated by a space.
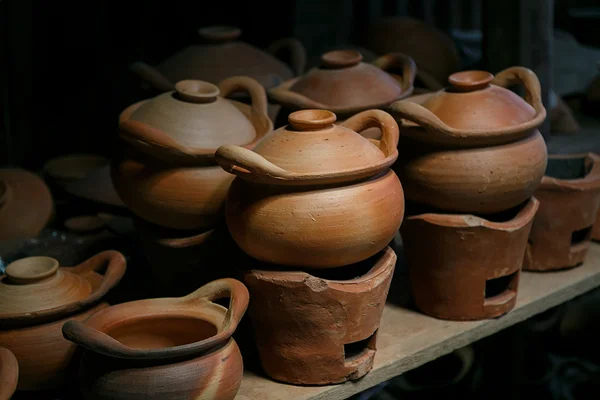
x=568 y=168
x=581 y=235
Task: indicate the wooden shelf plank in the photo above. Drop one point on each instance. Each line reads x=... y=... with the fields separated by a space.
x=408 y=339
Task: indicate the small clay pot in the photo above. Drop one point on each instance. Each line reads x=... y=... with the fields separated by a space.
x=26 y=205
x=465 y=267
x=169 y=348
x=319 y=329
x=37 y=298
x=569 y=196
x=9 y=374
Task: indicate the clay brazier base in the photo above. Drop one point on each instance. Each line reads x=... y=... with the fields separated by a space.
x=464 y=267
x=316 y=331
x=569 y=198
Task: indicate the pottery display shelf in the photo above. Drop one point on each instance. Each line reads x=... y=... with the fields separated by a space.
x=408 y=339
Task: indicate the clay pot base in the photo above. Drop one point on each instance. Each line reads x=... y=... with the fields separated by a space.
x=322 y=328
x=473 y=273
x=569 y=200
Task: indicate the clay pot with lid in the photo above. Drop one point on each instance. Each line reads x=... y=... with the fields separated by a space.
x=167 y=174
x=9 y=374
x=166 y=348
x=36 y=298
x=569 y=202
x=314 y=194
x=473 y=147
x=319 y=327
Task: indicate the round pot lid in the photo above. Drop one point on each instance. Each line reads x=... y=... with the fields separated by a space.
x=26 y=204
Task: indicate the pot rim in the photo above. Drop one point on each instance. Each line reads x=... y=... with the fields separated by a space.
x=524 y=216
x=591 y=181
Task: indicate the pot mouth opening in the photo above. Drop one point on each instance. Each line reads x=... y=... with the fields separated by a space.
x=569 y=168
x=161 y=332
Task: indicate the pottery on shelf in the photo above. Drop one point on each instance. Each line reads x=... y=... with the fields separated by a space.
x=26 y=205
x=9 y=374
x=466 y=267
x=434 y=52
x=319 y=328
x=167 y=174
x=315 y=194
x=166 y=348
x=473 y=147
x=569 y=198
x=36 y=298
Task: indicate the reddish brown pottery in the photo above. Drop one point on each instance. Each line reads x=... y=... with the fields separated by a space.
x=569 y=198
x=464 y=267
x=9 y=374
x=316 y=331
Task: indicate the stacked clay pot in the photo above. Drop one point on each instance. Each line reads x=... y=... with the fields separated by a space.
x=166 y=348
x=470 y=160
x=316 y=205
x=166 y=173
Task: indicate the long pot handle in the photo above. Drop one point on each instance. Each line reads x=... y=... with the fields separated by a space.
x=376 y=118
x=399 y=60
x=245 y=163
x=296 y=49
x=152 y=75
x=418 y=114
x=115 y=264
x=529 y=80
x=99 y=342
x=293 y=100
x=247 y=85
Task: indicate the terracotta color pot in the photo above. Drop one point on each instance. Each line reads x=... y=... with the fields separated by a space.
x=168 y=175
x=9 y=374
x=169 y=348
x=434 y=52
x=36 y=298
x=312 y=330
x=26 y=205
x=315 y=194
x=569 y=201
x=473 y=273
x=475 y=147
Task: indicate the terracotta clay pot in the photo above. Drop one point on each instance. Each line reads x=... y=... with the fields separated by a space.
x=37 y=298
x=318 y=329
x=168 y=348
x=569 y=201
x=314 y=194
x=434 y=52
x=167 y=174
x=9 y=374
x=26 y=205
x=474 y=147
x=473 y=273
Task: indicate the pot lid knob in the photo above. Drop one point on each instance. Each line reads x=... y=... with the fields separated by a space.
x=195 y=91
x=341 y=59
x=311 y=120
x=220 y=33
x=31 y=269
x=469 y=81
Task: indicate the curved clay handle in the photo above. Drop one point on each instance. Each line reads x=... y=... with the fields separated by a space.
x=243 y=162
x=247 y=85
x=293 y=100
x=150 y=74
x=92 y=339
x=296 y=49
x=526 y=77
x=399 y=60
x=377 y=119
x=115 y=269
x=418 y=114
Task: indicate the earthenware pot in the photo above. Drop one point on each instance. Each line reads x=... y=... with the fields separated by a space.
x=9 y=374
x=314 y=194
x=319 y=328
x=26 y=205
x=36 y=298
x=167 y=348
x=473 y=273
x=569 y=201
x=96 y=186
x=473 y=147
x=434 y=52
x=168 y=175
x=72 y=167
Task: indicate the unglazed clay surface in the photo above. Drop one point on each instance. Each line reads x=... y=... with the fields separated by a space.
x=9 y=374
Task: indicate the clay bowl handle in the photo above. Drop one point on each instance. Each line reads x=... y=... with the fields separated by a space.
x=115 y=269
x=296 y=49
x=92 y=339
x=527 y=78
x=150 y=74
x=292 y=100
x=399 y=60
x=248 y=164
x=246 y=85
x=390 y=133
x=419 y=115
